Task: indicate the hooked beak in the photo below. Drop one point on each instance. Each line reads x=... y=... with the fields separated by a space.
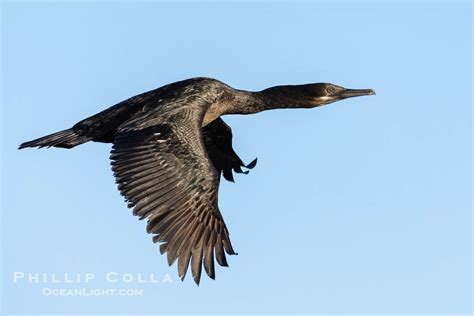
x=350 y=93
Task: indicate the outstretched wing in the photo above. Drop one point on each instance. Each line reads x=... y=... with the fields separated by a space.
x=217 y=137
x=165 y=174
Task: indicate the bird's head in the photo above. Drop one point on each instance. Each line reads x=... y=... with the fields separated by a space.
x=325 y=93
x=309 y=95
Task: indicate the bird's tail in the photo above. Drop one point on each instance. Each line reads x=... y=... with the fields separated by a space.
x=63 y=139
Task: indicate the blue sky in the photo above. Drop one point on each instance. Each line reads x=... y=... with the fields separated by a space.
x=363 y=206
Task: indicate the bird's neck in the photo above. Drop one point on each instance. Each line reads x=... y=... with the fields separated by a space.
x=246 y=102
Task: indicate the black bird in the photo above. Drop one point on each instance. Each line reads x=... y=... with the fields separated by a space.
x=170 y=147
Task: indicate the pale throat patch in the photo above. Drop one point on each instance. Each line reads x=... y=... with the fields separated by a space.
x=323 y=100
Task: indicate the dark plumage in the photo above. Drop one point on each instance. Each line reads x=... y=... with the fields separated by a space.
x=170 y=147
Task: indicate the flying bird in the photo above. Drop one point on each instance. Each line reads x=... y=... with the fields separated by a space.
x=170 y=148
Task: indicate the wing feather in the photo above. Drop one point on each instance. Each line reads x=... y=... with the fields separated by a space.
x=164 y=172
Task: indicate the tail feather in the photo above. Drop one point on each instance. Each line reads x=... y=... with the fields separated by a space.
x=63 y=139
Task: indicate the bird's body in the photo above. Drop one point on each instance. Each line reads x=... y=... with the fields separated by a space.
x=170 y=147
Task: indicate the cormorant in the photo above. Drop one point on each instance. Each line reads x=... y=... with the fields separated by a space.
x=170 y=146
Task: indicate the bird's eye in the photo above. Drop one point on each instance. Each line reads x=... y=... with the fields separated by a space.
x=330 y=89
